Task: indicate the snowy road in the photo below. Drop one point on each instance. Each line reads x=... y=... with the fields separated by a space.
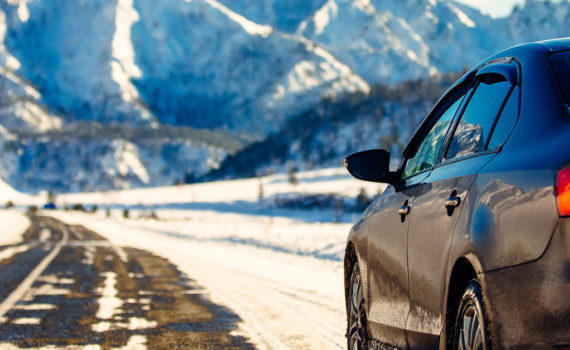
x=67 y=287
x=286 y=301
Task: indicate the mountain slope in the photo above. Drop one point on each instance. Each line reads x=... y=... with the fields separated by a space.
x=20 y=106
x=74 y=51
x=217 y=68
x=191 y=62
x=281 y=15
x=379 y=46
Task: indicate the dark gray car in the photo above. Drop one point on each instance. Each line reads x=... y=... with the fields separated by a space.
x=469 y=246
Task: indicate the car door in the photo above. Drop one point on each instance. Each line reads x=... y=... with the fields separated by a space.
x=439 y=201
x=388 y=287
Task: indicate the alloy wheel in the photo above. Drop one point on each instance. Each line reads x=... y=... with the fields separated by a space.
x=357 y=339
x=470 y=337
x=471 y=329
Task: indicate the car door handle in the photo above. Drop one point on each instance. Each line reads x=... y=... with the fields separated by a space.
x=452 y=202
x=404 y=210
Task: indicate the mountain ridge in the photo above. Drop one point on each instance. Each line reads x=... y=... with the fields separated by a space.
x=247 y=70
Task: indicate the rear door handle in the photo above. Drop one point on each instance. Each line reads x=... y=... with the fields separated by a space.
x=404 y=210
x=452 y=202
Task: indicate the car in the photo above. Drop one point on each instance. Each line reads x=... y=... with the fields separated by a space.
x=469 y=245
x=49 y=206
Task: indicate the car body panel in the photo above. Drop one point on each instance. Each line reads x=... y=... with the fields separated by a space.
x=535 y=313
x=431 y=229
x=388 y=287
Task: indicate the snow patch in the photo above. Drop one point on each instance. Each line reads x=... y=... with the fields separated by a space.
x=250 y=27
x=324 y=14
x=123 y=67
x=136 y=342
x=34 y=307
x=109 y=304
x=125 y=161
x=27 y=320
x=13 y=223
x=463 y=17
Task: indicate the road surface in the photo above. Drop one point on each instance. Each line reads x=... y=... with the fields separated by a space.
x=67 y=287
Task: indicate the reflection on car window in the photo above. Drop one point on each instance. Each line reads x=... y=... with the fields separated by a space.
x=472 y=131
x=427 y=152
x=507 y=120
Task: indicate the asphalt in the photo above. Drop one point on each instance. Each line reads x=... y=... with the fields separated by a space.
x=98 y=296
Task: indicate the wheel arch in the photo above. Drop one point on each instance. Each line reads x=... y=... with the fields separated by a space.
x=465 y=269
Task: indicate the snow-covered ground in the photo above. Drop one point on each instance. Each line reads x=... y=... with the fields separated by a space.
x=13 y=224
x=279 y=269
x=331 y=180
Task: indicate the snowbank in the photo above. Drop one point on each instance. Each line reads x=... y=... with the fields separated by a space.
x=13 y=224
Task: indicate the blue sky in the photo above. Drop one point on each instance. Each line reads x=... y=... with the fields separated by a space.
x=496 y=8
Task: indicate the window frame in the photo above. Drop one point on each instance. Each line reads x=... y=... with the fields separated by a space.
x=561 y=93
x=430 y=122
x=442 y=161
x=469 y=82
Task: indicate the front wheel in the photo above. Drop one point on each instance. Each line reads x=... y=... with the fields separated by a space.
x=357 y=337
x=471 y=324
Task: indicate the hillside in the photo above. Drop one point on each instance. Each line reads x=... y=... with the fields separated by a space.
x=384 y=118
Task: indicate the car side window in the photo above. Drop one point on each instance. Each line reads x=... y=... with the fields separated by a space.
x=428 y=150
x=507 y=120
x=472 y=132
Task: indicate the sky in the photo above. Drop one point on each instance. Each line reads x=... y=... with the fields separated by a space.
x=496 y=8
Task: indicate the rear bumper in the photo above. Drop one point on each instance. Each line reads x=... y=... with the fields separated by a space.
x=530 y=303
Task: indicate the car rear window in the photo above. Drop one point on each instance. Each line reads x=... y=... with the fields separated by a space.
x=560 y=62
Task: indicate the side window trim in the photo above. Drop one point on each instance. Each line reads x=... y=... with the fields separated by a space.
x=467 y=156
x=426 y=126
x=498 y=116
x=509 y=68
x=455 y=122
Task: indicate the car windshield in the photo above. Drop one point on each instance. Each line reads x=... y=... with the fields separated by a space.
x=560 y=62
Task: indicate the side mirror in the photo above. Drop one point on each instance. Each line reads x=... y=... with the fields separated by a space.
x=372 y=165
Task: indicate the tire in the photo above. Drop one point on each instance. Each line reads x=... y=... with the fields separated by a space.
x=471 y=328
x=357 y=337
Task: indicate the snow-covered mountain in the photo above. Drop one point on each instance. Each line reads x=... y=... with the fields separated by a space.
x=179 y=62
x=538 y=20
x=217 y=68
x=391 y=41
x=90 y=156
x=246 y=67
x=79 y=54
x=20 y=103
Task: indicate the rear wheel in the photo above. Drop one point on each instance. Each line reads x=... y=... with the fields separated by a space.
x=471 y=324
x=357 y=337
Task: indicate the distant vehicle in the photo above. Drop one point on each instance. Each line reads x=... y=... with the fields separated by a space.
x=469 y=246
x=49 y=206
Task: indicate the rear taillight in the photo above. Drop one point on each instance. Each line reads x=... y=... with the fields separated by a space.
x=563 y=191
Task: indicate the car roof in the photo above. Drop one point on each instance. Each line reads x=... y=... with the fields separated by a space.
x=555 y=45
x=537 y=48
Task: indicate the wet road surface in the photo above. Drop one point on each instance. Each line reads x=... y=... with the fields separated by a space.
x=67 y=287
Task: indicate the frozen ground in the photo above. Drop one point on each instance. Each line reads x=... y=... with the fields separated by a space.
x=279 y=270
x=240 y=195
x=13 y=223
